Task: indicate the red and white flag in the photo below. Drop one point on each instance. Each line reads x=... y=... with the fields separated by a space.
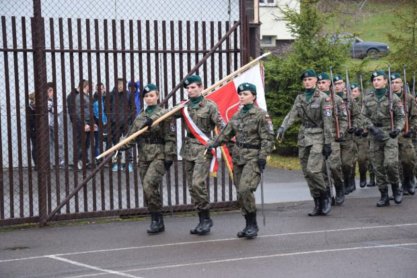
x=227 y=99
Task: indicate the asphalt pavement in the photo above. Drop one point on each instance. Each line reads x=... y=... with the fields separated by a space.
x=355 y=240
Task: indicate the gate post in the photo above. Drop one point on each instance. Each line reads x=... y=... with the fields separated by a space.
x=42 y=136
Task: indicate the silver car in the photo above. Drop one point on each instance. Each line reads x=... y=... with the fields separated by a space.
x=360 y=48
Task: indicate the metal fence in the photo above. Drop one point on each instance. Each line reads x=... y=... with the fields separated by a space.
x=43 y=157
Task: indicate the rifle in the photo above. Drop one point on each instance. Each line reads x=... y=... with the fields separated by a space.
x=405 y=103
x=362 y=93
x=335 y=110
x=390 y=104
x=349 y=104
x=413 y=92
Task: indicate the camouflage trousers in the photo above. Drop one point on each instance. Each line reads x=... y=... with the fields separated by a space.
x=151 y=174
x=311 y=159
x=384 y=157
x=362 y=157
x=246 y=178
x=407 y=157
x=335 y=166
x=197 y=172
x=349 y=153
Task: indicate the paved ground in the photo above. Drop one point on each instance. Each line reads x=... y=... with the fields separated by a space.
x=356 y=240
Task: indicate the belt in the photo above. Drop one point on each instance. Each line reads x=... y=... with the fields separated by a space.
x=248 y=146
x=152 y=140
x=309 y=125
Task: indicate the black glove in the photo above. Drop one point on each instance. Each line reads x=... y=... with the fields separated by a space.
x=365 y=134
x=125 y=148
x=377 y=133
x=280 y=132
x=168 y=164
x=351 y=130
x=261 y=164
x=327 y=150
x=212 y=146
x=409 y=134
x=340 y=139
x=393 y=134
x=359 y=131
x=147 y=122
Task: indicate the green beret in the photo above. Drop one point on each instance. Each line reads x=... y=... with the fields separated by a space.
x=323 y=76
x=246 y=87
x=149 y=88
x=308 y=73
x=377 y=73
x=192 y=79
x=354 y=86
x=337 y=77
x=395 y=75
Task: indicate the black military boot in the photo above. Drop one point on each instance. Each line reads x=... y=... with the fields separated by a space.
x=362 y=177
x=352 y=182
x=348 y=184
x=253 y=229
x=340 y=194
x=371 y=180
x=197 y=229
x=317 y=208
x=242 y=233
x=412 y=188
x=397 y=193
x=325 y=204
x=384 y=201
x=206 y=223
x=157 y=223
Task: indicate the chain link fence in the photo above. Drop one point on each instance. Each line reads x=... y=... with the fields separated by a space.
x=50 y=48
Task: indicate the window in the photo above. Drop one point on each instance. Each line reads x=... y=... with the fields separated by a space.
x=268 y=40
x=267 y=3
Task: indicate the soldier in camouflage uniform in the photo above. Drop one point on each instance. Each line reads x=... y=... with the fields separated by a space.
x=361 y=143
x=335 y=161
x=314 y=138
x=254 y=141
x=384 y=141
x=205 y=115
x=407 y=155
x=156 y=152
x=348 y=148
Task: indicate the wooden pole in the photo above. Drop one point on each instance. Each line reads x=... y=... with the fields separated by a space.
x=175 y=109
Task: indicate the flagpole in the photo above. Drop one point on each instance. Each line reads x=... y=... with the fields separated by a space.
x=175 y=109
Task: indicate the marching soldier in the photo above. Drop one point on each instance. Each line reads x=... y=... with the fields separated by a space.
x=338 y=130
x=314 y=138
x=348 y=148
x=384 y=119
x=406 y=150
x=156 y=152
x=254 y=141
x=201 y=117
x=361 y=142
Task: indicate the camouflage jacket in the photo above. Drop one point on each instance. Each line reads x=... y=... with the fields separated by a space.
x=341 y=115
x=353 y=109
x=159 y=142
x=377 y=112
x=206 y=117
x=315 y=117
x=411 y=111
x=254 y=135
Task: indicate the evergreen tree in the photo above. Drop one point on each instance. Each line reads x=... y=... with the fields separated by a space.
x=311 y=49
x=404 y=39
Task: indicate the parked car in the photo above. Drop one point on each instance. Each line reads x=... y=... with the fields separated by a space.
x=360 y=48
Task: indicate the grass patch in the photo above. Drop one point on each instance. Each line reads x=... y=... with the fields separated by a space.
x=284 y=162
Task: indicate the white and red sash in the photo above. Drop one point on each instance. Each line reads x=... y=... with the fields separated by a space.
x=202 y=138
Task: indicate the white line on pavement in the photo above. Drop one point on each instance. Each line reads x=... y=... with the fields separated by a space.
x=106 y=271
x=213 y=240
